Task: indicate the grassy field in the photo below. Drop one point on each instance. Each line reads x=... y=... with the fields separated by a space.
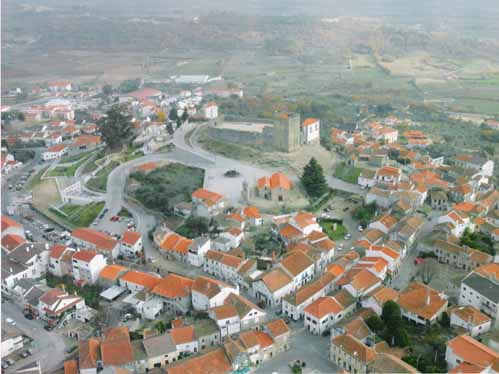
x=99 y=182
x=80 y=215
x=36 y=179
x=328 y=227
x=65 y=171
x=347 y=173
x=76 y=157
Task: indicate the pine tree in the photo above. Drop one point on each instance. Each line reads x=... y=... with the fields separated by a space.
x=116 y=127
x=313 y=179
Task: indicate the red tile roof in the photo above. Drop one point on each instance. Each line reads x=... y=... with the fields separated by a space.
x=140 y=278
x=182 y=335
x=131 y=237
x=85 y=256
x=309 y=121
x=12 y=241
x=97 y=238
x=116 y=348
x=112 y=272
x=472 y=351
x=213 y=362
x=8 y=223
x=276 y=180
x=57 y=250
x=173 y=286
x=323 y=306
x=277 y=328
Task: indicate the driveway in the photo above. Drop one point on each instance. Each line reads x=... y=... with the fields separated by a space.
x=49 y=347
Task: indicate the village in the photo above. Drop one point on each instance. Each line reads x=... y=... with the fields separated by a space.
x=145 y=251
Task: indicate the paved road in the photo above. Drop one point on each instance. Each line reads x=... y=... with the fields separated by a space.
x=50 y=347
x=312 y=349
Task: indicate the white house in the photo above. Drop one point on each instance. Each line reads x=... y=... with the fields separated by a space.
x=234 y=235
x=322 y=314
x=96 y=240
x=207 y=203
x=479 y=289
x=465 y=349
x=131 y=243
x=377 y=299
x=249 y=314
x=55 y=152
x=367 y=178
x=208 y=293
x=138 y=280
x=294 y=304
x=175 y=293
x=389 y=174
x=197 y=251
x=12 y=339
x=60 y=260
x=9 y=226
x=471 y=319
x=33 y=256
x=210 y=110
x=87 y=266
x=223 y=266
x=458 y=222
x=310 y=130
x=273 y=286
x=56 y=304
x=226 y=318
x=184 y=338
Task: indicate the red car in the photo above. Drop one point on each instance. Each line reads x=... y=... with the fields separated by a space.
x=115 y=218
x=419 y=261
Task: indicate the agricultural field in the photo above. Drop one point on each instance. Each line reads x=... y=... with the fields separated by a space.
x=79 y=215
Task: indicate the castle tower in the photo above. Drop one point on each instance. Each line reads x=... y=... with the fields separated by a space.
x=286 y=132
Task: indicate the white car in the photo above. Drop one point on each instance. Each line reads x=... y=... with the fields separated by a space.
x=11 y=321
x=360 y=229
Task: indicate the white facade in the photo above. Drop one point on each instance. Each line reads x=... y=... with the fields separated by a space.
x=474 y=329
x=197 y=252
x=53 y=155
x=88 y=271
x=210 y=111
x=272 y=299
x=310 y=131
x=204 y=302
x=319 y=326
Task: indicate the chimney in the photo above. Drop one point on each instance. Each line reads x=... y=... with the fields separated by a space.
x=427 y=295
x=273 y=257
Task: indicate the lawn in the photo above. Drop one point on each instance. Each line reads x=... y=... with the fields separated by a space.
x=124 y=213
x=165 y=186
x=99 y=182
x=76 y=157
x=328 y=227
x=347 y=173
x=36 y=178
x=80 y=215
x=65 y=171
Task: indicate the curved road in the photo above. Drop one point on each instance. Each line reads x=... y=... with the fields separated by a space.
x=193 y=155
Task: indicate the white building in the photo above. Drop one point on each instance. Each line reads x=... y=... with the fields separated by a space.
x=458 y=222
x=463 y=349
x=208 y=293
x=226 y=318
x=197 y=251
x=131 y=244
x=210 y=110
x=471 y=319
x=310 y=130
x=12 y=339
x=480 y=290
x=322 y=314
x=55 y=152
x=87 y=266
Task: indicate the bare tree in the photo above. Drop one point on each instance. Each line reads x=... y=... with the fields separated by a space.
x=428 y=270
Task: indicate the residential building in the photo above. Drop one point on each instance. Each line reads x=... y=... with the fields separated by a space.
x=184 y=339
x=55 y=152
x=389 y=175
x=421 y=304
x=480 y=289
x=208 y=293
x=294 y=304
x=160 y=350
x=226 y=318
x=111 y=274
x=377 y=299
x=197 y=250
x=88 y=238
x=457 y=222
x=273 y=286
x=9 y=226
x=386 y=363
x=87 y=266
x=56 y=305
x=213 y=362
x=460 y=257
x=249 y=314
x=61 y=260
x=131 y=244
x=465 y=349
x=322 y=314
x=137 y=281
x=350 y=354
x=175 y=292
x=12 y=339
x=210 y=110
x=206 y=203
x=470 y=319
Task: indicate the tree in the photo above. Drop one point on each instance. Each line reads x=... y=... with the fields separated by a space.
x=160 y=326
x=194 y=227
x=375 y=323
x=428 y=270
x=116 y=127
x=185 y=116
x=391 y=315
x=444 y=320
x=313 y=179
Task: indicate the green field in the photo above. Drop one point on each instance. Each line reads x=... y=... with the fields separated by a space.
x=79 y=215
x=328 y=227
x=347 y=173
x=65 y=171
x=99 y=182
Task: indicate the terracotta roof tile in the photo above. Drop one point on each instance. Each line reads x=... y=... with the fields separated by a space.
x=131 y=237
x=351 y=346
x=101 y=240
x=276 y=279
x=182 y=335
x=140 y=278
x=112 y=272
x=173 y=286
x=472 y=351
x=277 y=328
x=323 y=306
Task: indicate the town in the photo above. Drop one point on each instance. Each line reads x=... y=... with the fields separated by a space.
x=159 y=230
